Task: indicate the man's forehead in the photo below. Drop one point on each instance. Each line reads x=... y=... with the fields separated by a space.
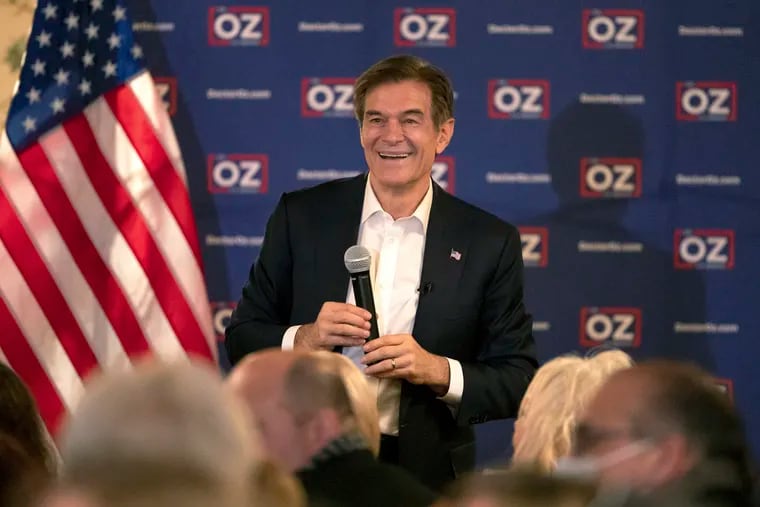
x=399 y=96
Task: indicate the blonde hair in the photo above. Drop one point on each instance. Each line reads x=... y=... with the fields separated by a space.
x=555 y=397
x=327 y=379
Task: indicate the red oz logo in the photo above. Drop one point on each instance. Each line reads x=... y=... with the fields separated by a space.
x=238 y=26
x=518 y=99
x=167 y=92
x=610 y=177
x=424 y=27
x=444 y=173
x=328 y=96
x=616 y=325
x=239 y=172
x=706 y=100
x=613 y=29
x=703 y=249
x=221 y=311
x=535 y=246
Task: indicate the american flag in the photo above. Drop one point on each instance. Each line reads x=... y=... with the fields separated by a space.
x=99 y=257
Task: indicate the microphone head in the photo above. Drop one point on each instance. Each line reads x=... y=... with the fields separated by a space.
x=357 y=259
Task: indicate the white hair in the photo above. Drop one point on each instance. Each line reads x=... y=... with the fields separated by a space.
x=160 y=427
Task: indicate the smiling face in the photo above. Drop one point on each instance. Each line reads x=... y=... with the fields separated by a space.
x=400 y=138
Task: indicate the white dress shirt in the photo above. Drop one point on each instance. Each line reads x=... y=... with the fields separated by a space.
x=397 y=248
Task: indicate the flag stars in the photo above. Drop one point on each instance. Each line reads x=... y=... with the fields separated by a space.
x=109 y=69
x=119 y=13
x=137 y=52
x=57 y=105
x=72 y=21
x=114 y=41
x=43 y=39
x=88 y=59
x=50 y=11
x=85 y=87
x=29 y=124
x=61 y=77
x=38 y=67
x=96 y=5
x=33 y=95
x=92 y=31
x=67 y=49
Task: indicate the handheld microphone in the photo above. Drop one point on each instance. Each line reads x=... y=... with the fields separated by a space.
x=357 y=259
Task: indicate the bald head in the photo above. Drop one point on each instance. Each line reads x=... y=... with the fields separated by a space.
x=299 y=401
x=261 y=374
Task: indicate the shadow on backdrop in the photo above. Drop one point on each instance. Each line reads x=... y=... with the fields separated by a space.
x=573 y=279
x=204 y=209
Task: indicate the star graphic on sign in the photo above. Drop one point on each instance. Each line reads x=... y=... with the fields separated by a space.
x=72 y=21
x=114 y=41
x=29 y=124
x=33 y=95
x=88 y=59
x=67 y=49
x=50 y=11
x=57 y=105
x=137 y=52
x=92 y=31
x=38 y=67
x=44 y=39
x=96 y=5
x=61 y=77
x=109 y=69
x=84 y=87
x=119 y=13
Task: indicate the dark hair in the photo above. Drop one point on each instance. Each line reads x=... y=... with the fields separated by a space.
x=684 y=399
x=23 y=478
x=520 y=486
x=407 y=68
x=20 y=419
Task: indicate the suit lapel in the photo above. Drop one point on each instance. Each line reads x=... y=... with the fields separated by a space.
x=442 y=265
x=342 y=218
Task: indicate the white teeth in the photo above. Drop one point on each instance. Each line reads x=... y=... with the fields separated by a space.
x=393 y=155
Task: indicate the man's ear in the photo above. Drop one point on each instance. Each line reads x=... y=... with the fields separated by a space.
x=676 y=458
x=323 y=427
x=445 y=133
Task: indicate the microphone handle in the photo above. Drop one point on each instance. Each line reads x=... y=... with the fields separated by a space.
x=365 y=299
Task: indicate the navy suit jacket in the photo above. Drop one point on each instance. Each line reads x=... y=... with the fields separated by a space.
x=473 y=311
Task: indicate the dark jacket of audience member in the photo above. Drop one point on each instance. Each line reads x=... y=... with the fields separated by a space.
x=357 y=478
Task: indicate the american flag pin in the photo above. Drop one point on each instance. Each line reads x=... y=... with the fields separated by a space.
x=456 y=255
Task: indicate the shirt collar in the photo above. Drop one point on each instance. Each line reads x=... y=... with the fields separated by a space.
x=372 y=205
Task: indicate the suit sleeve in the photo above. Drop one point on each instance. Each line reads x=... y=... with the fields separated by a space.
x=261 y=316
x=495 y=383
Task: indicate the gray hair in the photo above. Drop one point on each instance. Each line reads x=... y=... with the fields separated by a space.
x=157 y=429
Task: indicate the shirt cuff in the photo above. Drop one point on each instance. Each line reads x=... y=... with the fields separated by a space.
x=456 y=383
x=289 y=338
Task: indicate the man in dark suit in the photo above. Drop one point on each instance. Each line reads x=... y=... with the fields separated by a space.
x=310 y=410
x=456 y=347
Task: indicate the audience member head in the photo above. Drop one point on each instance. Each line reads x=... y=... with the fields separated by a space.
x=519 y=487
x=396 y=69
x=20 y=420
x=302 y=401
x=159 y=435
x=651 y=425
x=22 y=477
x=554 y=399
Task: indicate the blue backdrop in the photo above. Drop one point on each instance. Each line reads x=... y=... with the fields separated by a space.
x=620 y=136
